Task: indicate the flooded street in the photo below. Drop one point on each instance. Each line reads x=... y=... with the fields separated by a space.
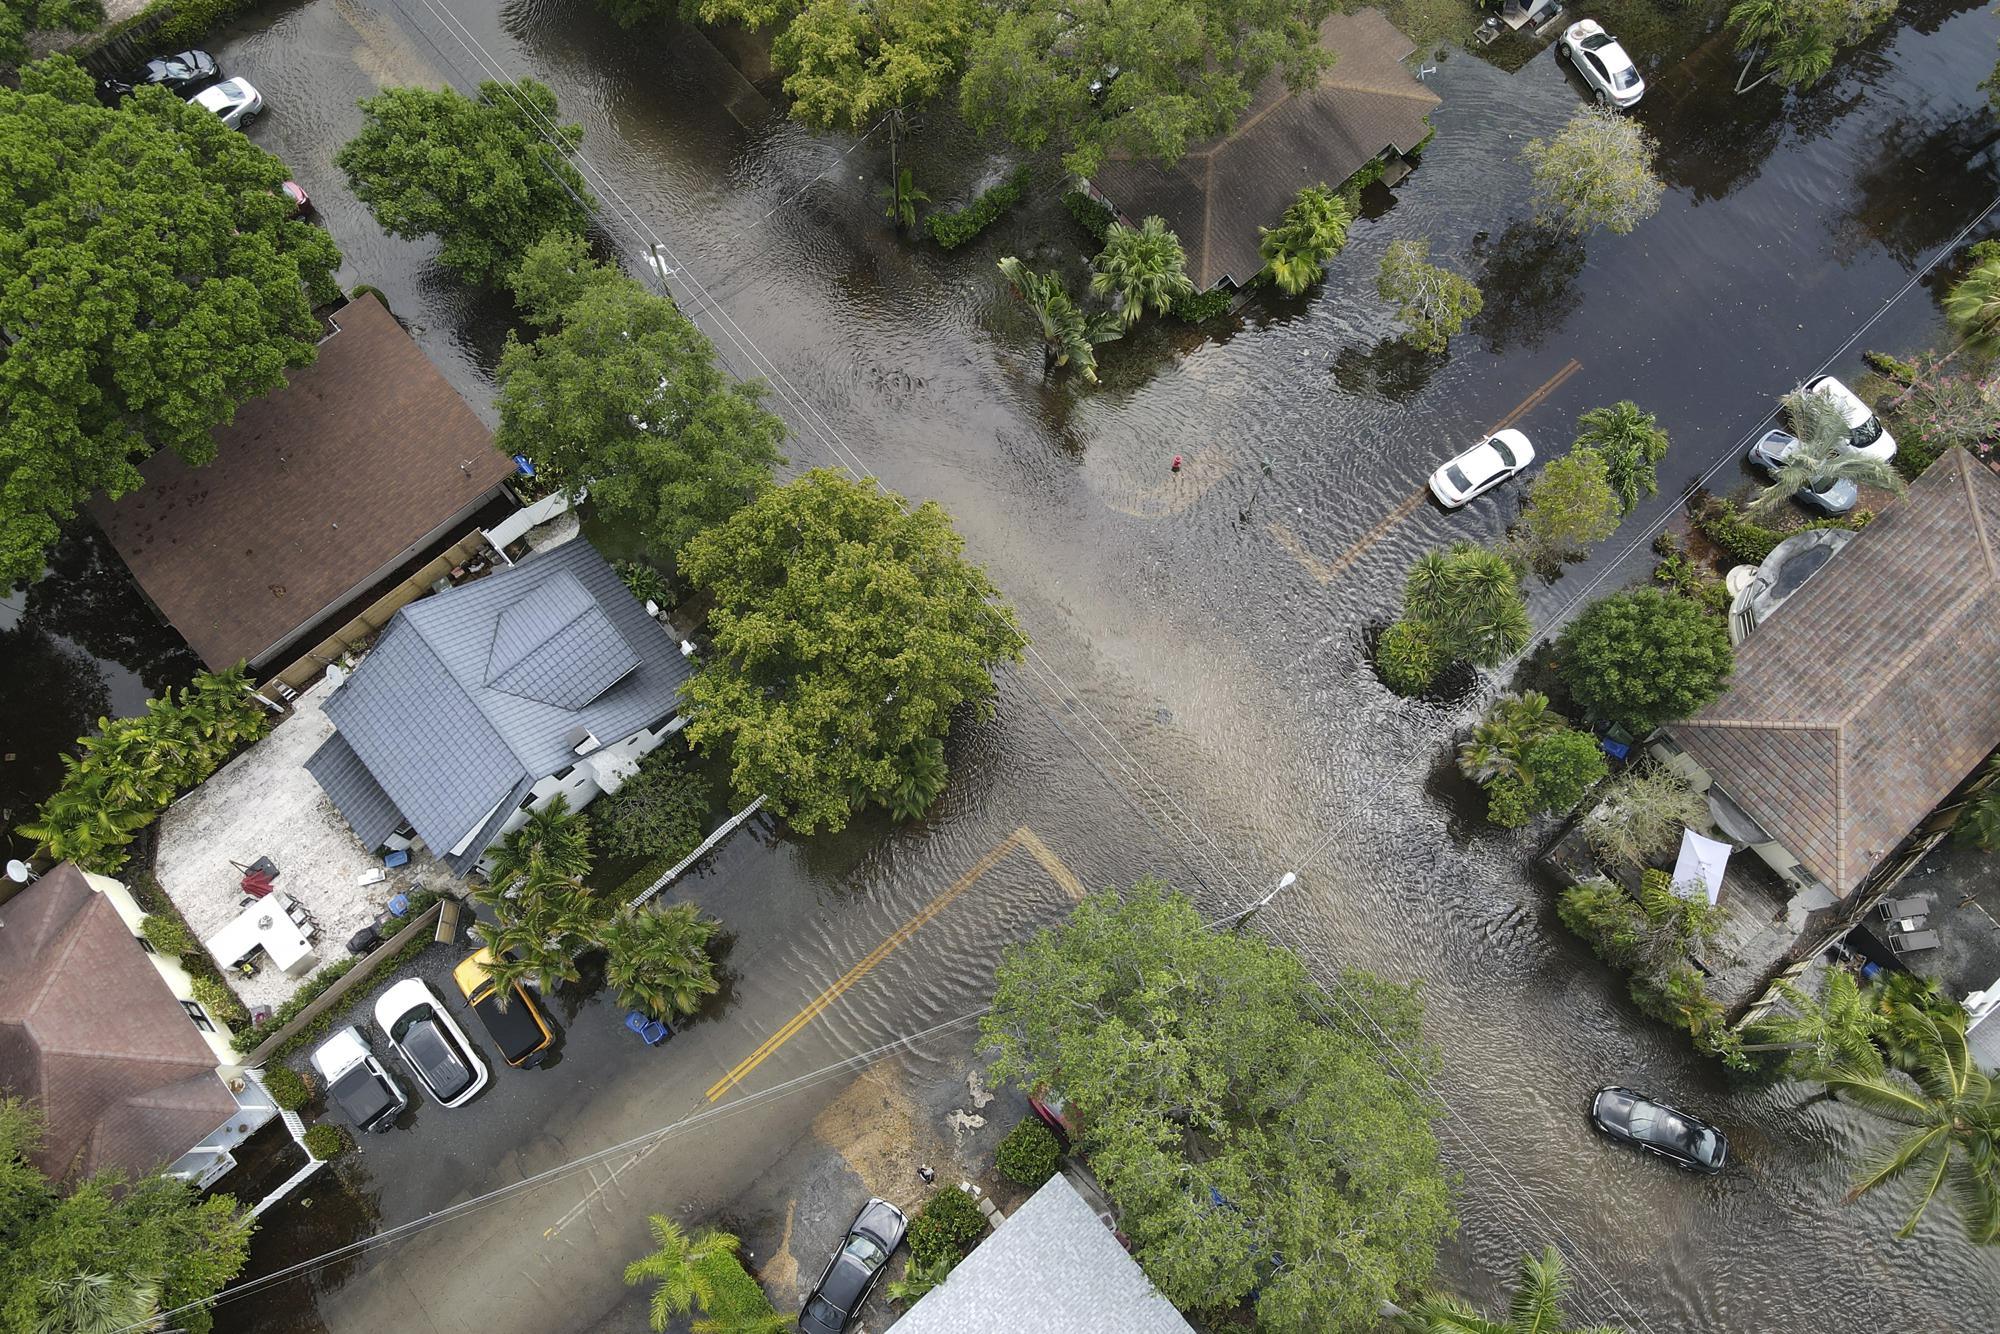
x=1198 y=702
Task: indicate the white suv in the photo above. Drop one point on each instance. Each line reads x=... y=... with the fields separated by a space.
x=1865 y=433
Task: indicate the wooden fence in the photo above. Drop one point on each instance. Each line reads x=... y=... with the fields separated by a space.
x=346 y=982
x=377 y=614
x=126 y=49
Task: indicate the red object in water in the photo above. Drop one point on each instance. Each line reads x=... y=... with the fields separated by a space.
x=257 y=884
x=1177 y=463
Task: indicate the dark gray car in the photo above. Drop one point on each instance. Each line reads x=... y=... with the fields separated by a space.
x=184 y=73
x=854 y=1269
x=1769 y=454
x=1659 y=1129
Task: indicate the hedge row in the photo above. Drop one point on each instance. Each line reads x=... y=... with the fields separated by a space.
x=1749 y=541
x=952 y=230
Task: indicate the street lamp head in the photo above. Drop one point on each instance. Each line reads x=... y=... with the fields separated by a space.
x=1290 y=878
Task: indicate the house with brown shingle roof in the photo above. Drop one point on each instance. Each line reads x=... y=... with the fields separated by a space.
x=367 y=460
x=105 y=1038
x=1866 y=700
x=1221 y=191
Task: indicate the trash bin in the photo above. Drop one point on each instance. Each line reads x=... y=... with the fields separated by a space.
x=364 y=940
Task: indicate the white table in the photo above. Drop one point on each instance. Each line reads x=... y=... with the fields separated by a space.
x=267 y=926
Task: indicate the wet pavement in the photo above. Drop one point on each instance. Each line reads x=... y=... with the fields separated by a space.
x=1198 y=702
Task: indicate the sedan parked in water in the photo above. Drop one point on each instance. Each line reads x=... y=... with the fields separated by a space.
x=184 y=73
x=1831 y=497
x=1865 y=432
x=1481 y=468
x=431 y=1042
x=355 y=1081
x=1657 y=1128
x=854 y=1269
x=1603 y=64
x=235 y=100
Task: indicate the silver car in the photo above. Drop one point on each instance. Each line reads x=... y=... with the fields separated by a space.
x=1603 y=64
x=1832 y=497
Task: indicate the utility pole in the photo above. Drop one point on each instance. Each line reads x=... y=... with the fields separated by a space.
x=1289 y=879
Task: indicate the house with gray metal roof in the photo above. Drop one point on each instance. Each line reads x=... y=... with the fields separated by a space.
x=486 y=700
x=1054 y=1267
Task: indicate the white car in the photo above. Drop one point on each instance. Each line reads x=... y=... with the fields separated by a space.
x=1481 y=468
x=355 y=1081
x=426 y=1036
x=1603 y=63
x=1865 y=432
x=235 y=100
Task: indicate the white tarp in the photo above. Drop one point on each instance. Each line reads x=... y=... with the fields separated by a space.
x=1701 y=863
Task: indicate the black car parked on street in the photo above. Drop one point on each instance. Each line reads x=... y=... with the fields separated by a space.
x=183 y=74
x=1657 y=1128
x=854 y=1269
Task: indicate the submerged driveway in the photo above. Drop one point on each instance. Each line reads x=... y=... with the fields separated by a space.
x=1199 y=701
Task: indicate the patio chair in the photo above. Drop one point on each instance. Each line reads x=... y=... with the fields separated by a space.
x=1915 y=942
x=1917 y=905
x=652 y=1031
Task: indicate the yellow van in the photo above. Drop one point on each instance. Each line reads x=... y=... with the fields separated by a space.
x=519 y=1031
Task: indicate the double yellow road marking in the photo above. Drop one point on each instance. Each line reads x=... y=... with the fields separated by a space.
x=1020 y=838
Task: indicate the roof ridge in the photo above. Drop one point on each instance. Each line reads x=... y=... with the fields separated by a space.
x=1840 y=803
x=1746 y=724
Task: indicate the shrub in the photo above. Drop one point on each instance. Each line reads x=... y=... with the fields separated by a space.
x=1643 y=658
x=1680 y=574
x=1029 y=1155
x=952 y=230
x=660 y=811
x=1202 y=305
x=309 y=991
x=168 y=934
x=326 y=1140
x=1940 y=410
x=918 y=1278
x=1312 y=231
x=1092 y=216
x=1408 y=657
x=1641 y=815
x=644 y=582
x=1608 y=919
x=1749 y=541
x=736 y=1300
x=288 y=1088
x=214 y=996
x=946 y=1226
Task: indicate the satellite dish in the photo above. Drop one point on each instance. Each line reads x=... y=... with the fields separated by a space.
x=18 y=872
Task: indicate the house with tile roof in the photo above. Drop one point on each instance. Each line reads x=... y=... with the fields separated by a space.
x=105 y=1037
x=1863 y=704
x=1222 y=190
x=1053 y=1267
x=485 y=701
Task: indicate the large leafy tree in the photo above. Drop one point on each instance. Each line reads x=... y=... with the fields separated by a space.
x=624 y=396
x=1536 y=1307
x=1139 y=267
x=1146 y=78
x=1232 y=1116
x=1432 y=301
x=105 y=1249
x=1951 y=1111
x=1596 y=172
x=151 y=278
x=1798 y=39
x=848 y=62
x=1631 y=443
x=847 y=632
x=1644 y=658
x=18 y=18
x=1570 y=506
x=487 y=175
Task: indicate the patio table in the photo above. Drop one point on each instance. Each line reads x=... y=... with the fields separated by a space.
x=264 y=925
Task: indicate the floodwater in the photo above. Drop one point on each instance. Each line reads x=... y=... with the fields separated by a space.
x=1199 y=702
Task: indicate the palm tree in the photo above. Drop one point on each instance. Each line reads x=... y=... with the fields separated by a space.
x=1631 y=443
x=1973 y=305
x=1799 y=52
x=1822 y=455
x=1836 y=1032
x=1537 y=1307
x=1502 y=737
x=1140 y=267
x=902 y=198
x=1069 y=337
x=554 y=838
x=1979 y=823
x=658 y=959
x=677 y=1267
x=99 y=1304
x=1953 y=1113
x=544 y=924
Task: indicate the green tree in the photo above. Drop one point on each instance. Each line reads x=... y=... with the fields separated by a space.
x=1409 y=657
x=1069 y=336
x=487 y=175
x=1979 y=823
x=1536 y=1308
x=1570 y=505
x=902 y=197
x=18 y=18
x=1312 y=231
x=658 y=959
x=1597 y=172
x=1205 y=1064
x=847 y=632
x=848 y=62
x=553 y=275
x=1951 y=1109
x=151 y=279
x=1631 y=444
x=1147 y=79
x=1822 y=455
x=1528 y=759
x=1141 y=267
x=1433 y=301
x=1798 y=39
x=660 y=812
x=1644 y=658
x=1468 y=599
x=1837 y=1030
x=1973 y=304
x=554 y=840
x=677 y=1267
x=624 y=397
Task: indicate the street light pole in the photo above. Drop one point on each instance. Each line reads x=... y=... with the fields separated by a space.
x=1289 y=879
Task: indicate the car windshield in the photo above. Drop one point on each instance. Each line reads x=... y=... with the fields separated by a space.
x=1860 y=437
x=1625 y=78
x=865 y=1250
x=1506 y=455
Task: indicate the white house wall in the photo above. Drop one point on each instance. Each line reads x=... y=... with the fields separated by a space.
x=602 y=771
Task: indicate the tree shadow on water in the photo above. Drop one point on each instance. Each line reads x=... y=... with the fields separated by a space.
x=1391 y=370
x=1526 y=275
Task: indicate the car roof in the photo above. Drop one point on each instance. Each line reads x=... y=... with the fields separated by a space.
x=436 y=1056
x=515 y=1030
x=363 y=1094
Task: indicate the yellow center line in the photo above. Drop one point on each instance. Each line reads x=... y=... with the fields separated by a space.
x=1022 y=837
x=1528 y=403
